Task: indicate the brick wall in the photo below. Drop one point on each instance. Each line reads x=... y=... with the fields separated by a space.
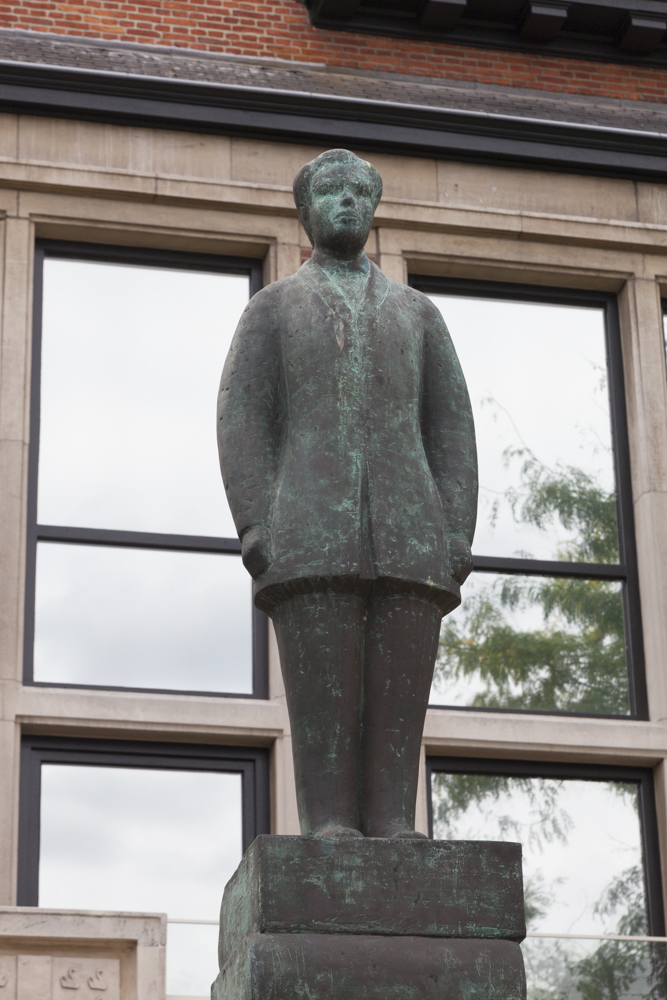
x=280 y=28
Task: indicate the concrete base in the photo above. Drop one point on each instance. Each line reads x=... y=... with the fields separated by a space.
x=365 y=967
x=373 y=919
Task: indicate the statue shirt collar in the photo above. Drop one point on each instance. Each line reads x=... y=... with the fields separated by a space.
x=373 y=293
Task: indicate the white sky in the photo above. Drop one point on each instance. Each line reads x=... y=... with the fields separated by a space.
x=536 y=374
x=140 y=352
x=144 y=840
x=142 y=618
x=602 y=841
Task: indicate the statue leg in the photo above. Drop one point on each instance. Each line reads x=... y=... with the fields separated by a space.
x=401 y=646
x=320 y=640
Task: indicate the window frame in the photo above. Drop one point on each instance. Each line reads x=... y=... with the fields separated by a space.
x=138 y=256
x=641 y=776
x=252 y=763
x=626 y=571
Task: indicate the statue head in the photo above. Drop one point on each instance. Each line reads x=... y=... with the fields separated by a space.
x=336 y=195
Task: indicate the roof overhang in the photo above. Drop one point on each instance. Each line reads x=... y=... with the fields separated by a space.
x=618 y=30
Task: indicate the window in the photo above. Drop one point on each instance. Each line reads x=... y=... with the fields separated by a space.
x=113 y=825
x=134 y=572
x=590 y=860
x=550 y=618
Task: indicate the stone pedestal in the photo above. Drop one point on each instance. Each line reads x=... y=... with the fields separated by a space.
x=373 y=920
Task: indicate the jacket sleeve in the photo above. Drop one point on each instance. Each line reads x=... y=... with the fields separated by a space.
x=448 y=430
x=250 y=414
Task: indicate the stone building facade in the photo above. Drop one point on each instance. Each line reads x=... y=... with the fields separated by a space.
x=524 y=160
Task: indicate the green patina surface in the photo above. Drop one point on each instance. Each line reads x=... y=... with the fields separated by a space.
x=333 y=967
x=348 y=456
x=466 y=889
x=347 y=451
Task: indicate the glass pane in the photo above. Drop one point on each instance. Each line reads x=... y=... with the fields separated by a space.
x=142 y=618
x=533 y=642
x=537 y=377
x=558 y=969
x=131 y=361
x=581 y=840
x=153 y=841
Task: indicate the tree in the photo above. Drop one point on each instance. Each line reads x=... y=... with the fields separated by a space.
x=576 y=661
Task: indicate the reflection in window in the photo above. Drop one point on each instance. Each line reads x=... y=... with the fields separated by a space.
x=155 y=841
x=537 y=377
x=537 y=643
x=130 y=361
x=538 y=381
x=583 y=874
x=142 y=618
x=581 y=844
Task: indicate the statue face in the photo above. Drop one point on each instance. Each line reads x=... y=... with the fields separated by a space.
x=341 y=209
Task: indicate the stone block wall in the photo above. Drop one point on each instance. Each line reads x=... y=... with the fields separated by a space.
x=67 y=955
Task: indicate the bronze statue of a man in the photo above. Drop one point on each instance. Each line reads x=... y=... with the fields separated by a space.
x=347 y=450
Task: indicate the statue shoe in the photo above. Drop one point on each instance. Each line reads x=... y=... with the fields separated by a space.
x=337 y=832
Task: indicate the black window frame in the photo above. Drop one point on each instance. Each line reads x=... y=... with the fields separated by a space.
x=252 y=763
x=138 y=256
x=626 y=571
x=641 y=776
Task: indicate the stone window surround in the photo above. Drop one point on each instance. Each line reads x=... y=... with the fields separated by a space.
x=129 y=186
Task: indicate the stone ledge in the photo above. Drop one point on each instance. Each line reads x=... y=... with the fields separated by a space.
x=57 y=954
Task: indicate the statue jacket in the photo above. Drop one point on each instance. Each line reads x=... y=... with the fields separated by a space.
x=346 y=434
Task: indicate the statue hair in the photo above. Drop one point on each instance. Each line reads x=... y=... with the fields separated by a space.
x=304 y=179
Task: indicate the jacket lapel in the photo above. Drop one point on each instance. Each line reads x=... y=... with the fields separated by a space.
x=342 y=312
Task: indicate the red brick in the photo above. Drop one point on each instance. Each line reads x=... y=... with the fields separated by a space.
x=281 y=29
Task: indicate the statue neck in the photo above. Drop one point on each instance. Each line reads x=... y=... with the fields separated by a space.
x=341 y=264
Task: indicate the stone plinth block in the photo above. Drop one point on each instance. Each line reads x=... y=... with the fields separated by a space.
x=370 y=967
x=430 y=888
x=373 y=919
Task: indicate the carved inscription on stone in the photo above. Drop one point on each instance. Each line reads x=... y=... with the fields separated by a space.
x=70 y=981
x=98 y=982
x=85 y=979
x=57 y=977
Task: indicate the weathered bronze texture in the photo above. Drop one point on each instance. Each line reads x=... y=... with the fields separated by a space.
x=348 y=456
x=374 y=919
x=361 y=967
x=309 y=885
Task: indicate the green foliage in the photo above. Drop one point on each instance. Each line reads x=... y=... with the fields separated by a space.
x=572 y=497
x=576 y=661
x=454 y=794
x=615 y=970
